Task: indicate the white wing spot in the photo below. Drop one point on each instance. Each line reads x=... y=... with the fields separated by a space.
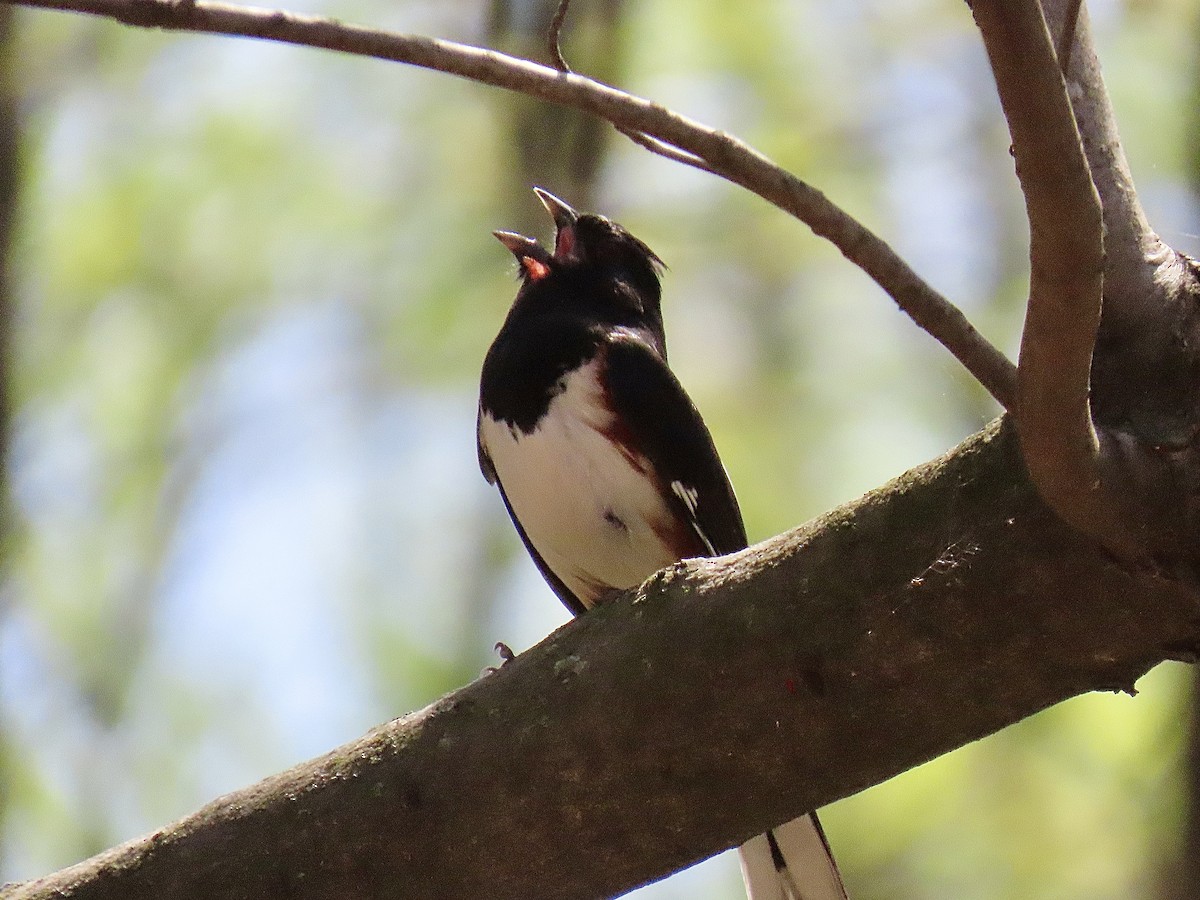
x=689 y=495
x=691 y=499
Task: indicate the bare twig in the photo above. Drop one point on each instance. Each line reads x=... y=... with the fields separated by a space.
x=1058 y=438
x=555 y=33
x=653 y=144
x=721 y=153
x=667 y=151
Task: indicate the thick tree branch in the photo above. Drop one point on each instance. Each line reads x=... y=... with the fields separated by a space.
x=721 y=697
x=719 y=152
x=1109 y=398
x=1054 y=415
x=1146 y=370
x=1134 y=252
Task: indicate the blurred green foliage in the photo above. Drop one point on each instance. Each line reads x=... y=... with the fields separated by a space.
x=254 y=285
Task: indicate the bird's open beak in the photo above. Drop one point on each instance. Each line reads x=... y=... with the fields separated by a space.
x=564 y=223
x=532 y=256
x=519 y=245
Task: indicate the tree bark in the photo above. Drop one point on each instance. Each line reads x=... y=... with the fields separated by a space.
x=722 y=697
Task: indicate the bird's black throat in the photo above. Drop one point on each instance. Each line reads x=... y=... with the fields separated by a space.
x=557 y=325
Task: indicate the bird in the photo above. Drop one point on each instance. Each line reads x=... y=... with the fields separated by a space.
x=604 y=464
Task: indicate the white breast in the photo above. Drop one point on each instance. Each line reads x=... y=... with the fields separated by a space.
x=583 y=502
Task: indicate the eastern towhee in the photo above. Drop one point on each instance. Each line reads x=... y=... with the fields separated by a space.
x=603 y=462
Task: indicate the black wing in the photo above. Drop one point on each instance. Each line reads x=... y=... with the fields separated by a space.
x=570 y=601
x=667 y=429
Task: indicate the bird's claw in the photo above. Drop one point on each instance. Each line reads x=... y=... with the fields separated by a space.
x=506 y=656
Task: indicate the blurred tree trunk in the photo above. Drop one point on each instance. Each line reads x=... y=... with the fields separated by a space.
x=554 y=147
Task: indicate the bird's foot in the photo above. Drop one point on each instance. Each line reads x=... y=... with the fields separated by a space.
x=506 y=656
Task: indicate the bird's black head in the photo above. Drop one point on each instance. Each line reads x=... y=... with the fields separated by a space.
x=591 y=241
x=595 y=262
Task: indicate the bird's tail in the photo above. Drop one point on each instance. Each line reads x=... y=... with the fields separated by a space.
x=791 y=862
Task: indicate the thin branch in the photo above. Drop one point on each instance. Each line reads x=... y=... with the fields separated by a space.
x=653 y=144
x=667 y=151
x=722 y=154
x=555 y=33
x=1054 y=418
